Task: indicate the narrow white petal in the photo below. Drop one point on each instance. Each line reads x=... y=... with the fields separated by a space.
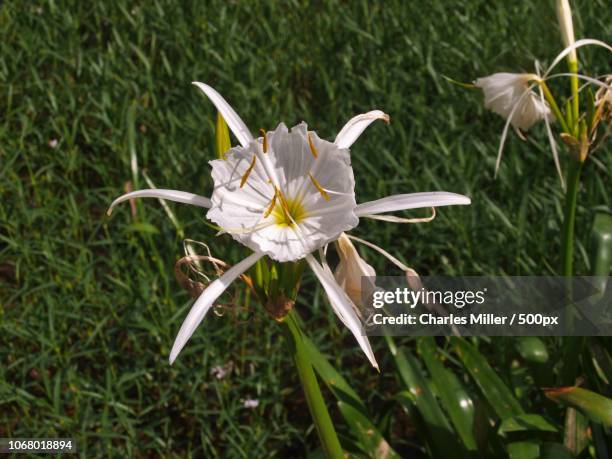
x=591 y=80
x=356 y=125
x=502 y=141
x=342 y=306
x=206 y=300
x=551 y=137
x=232 y=119
x=170 y=195
x=394 y=219
x=411 y=201
x=569 y=49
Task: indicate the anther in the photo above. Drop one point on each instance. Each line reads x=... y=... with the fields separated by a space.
x=265 y=140
x=272 y=204
x=313 y=150
x=248 y=171
x=318 y=186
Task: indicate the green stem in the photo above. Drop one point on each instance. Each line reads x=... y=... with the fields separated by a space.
x=572 y=344
x=555 y=108
x=312 y=391
x=573 y=68
x=567 y=237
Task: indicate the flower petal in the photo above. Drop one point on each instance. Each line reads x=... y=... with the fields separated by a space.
x=411 y=201
x=594 y=81
x=232 y=119
x=170 y=195
x=206 y=300
x=342 y=306
x=356 y=125
x=502 y=140
x=569 y=49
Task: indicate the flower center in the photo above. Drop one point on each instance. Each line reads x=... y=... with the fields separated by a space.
x=288 y=212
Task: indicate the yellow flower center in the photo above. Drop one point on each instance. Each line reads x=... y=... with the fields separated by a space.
x=288 y=212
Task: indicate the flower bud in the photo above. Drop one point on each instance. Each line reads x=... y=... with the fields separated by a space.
x=564 y=16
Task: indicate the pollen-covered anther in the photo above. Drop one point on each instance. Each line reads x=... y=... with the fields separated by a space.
x=313 y=149
x=318 y=186
x=272 y=204
x=265 y=140
x=245 y=177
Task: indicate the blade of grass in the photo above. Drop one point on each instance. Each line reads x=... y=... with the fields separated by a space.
x=493 y=388
x=455 y=398
x=443 y=440
x=594 y=406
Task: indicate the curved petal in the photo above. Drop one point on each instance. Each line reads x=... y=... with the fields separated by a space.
x=356 y=125
x=594 y=81
x=573 y=46
x=342 y=306
x=170 y=195
x=502 y=140
x=206 y=300
x=232 y=119
x=411 y=201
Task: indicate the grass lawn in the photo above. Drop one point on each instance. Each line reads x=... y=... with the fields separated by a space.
x=89 y=305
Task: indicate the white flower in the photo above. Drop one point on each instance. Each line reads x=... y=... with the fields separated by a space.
x=510 y=95
x=221 y=371
x=250 y=403
x=285 y=195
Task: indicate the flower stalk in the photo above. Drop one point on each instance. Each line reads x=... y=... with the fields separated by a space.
x=312 y=391
x=566 y=27
x=554 y=106
x=569 y=216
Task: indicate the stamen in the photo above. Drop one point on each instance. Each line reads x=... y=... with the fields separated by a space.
x=313 y=150
x=272 y=204
x=284 y=204
x=248 y=171
x=318 y=186
x=265 y=140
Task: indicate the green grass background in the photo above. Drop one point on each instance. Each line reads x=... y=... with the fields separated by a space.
x=89 y=306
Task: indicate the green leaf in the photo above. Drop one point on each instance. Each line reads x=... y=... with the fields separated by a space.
x=532 y=349
x=455 y=398
x=493 y=388
x=526 y=422
x=601 y=239
x=524 y=450
x=555 y=451
x=370 y=439
x=142 y=227
x=352 y=408
x=594 y=406
x=590 y=112
x=222 y=138
x=443 y=441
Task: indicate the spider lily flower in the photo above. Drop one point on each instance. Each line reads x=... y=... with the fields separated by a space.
x=286 y=194
x=510 y=95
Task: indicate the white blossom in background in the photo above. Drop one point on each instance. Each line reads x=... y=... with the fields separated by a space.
x=250 y=403
x=510 y=96
x=286 y=194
